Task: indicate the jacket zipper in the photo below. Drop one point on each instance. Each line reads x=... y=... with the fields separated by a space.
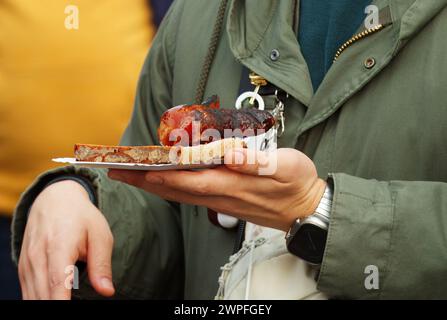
x=357 y=37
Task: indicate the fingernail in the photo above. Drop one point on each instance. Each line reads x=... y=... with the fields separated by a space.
x=106 y=283
x=154 y=179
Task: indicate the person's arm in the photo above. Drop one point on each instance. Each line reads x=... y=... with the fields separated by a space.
x=147 y=255
x=397 y=228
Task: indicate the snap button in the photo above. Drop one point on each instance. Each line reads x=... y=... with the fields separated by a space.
x=274 y=55
x=370 y=63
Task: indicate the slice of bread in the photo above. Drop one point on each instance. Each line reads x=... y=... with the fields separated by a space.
x=122 y=154
x=211 y=153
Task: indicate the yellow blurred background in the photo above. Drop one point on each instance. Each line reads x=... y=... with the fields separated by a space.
x=60 y=86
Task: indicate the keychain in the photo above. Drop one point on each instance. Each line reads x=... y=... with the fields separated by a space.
x=278 y=112
x=280 y=96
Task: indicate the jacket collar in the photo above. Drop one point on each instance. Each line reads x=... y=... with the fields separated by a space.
x=415 y=14
x=256 y=27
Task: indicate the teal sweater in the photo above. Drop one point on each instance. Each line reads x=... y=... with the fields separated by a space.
x=324 y=26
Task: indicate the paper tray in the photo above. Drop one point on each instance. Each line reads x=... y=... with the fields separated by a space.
x=132 y=166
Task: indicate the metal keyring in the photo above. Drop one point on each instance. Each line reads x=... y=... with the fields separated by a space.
x=249 y=95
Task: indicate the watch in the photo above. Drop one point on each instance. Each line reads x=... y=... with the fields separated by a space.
x=306 y=239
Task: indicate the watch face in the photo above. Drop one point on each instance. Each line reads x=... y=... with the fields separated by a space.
x=308 y=243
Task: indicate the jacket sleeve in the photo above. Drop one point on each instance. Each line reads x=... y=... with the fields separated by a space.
x=386 y=240
x=148 y=253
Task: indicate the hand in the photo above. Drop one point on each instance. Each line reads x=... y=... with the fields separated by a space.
x=64 y=227
x=293 y=191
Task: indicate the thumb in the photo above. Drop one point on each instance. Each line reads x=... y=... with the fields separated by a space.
x=99 y=261
x=252 y=162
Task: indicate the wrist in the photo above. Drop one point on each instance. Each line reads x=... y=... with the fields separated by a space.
x=63 y=191
x=315 y=195
x=306 y=205
x=76 y=182
x=66 y=187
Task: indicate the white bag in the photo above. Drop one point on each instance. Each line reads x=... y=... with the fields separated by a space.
x=264 y=269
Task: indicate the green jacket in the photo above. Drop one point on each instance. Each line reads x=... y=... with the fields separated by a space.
x=380 y=130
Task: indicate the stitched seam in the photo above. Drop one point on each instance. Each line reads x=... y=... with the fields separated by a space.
x=389 y=249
